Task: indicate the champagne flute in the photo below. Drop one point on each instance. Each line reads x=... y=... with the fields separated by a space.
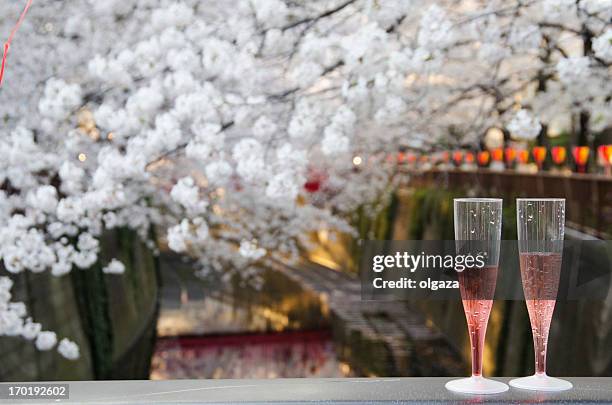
x=541 y=229
x=478 y=223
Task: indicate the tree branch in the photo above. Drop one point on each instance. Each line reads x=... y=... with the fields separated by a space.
x=180 y=148
x=314 y=19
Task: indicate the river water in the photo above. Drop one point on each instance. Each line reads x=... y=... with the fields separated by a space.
x=209 y=330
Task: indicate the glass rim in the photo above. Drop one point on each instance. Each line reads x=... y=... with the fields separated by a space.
x=541 y=199
x=465 y=199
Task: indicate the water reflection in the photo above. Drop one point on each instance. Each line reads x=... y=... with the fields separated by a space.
x=208 y=329
x=272 y=355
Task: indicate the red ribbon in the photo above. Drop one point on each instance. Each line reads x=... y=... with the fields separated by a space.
x=7 y=44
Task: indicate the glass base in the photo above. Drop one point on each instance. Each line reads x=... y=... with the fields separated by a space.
x=476 y=385
x=541 y=382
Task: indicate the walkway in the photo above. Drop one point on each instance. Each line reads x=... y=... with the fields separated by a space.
x=377 y=338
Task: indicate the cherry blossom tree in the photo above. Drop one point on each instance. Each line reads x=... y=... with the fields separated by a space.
x=239 y=126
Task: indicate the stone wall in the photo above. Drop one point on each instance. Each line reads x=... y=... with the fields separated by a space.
x=50 y=301
x=111 y=317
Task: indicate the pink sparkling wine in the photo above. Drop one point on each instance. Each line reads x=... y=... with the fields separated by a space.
x=477 y=290
x=540 y=273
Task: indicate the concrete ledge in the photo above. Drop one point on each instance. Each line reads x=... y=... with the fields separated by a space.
x=296 y=391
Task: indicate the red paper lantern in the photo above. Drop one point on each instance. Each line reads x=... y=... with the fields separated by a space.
x=581 y=157
x=458 y=157
x=445 y=156
x=523 y=156
x=469 y=157
x=605 y=153
x=559 y=154
x=498 y=154
x=539 y=154
x=312 y=186
x=510 y=154
x=315 y=181
x=484 y=157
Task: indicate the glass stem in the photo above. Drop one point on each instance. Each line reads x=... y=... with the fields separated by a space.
x=541 y=316
x=539 y=345
x=477 y=342
x=477 y=314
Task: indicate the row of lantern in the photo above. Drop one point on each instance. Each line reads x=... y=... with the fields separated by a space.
x=501 y=158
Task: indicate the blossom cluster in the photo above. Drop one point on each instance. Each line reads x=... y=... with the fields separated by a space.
x=15 y=322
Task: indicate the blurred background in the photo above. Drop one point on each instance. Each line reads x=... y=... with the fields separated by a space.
x=187 y=188
x=160 y=321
